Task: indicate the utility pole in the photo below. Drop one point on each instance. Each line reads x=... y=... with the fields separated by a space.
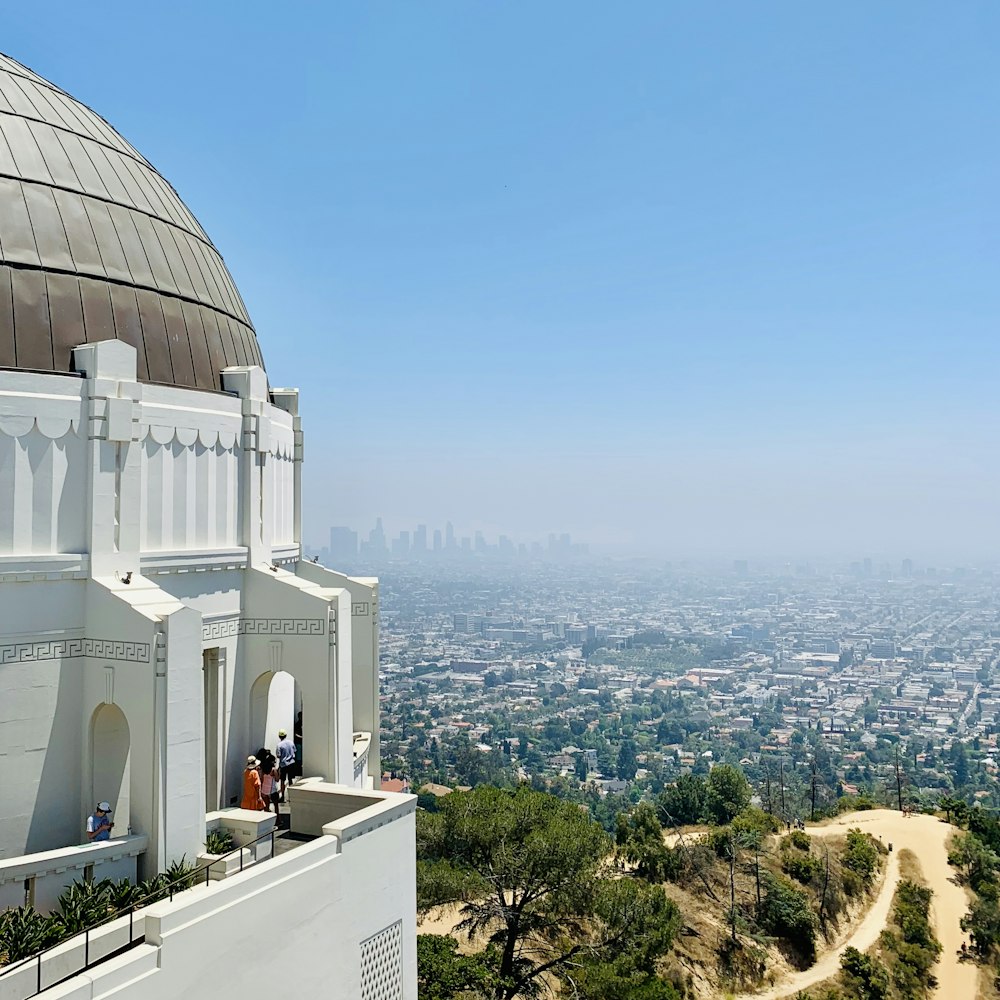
x=767 y=778
x=781 y=780
x=899 y=782
x=756 y=864
x=812 y=817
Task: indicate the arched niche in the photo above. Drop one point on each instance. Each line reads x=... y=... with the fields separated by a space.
x=110 y=748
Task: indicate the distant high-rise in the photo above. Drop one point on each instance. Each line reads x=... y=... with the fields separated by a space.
x=437 y=539
x=401 y=545
x=376 y=539
x=449 y=536
x=420 y=539
x=343 y=545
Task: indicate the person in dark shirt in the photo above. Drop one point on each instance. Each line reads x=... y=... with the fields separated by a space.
x=297 y=739
x=286 y=761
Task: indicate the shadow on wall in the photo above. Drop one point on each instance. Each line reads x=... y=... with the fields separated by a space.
x=57 y=814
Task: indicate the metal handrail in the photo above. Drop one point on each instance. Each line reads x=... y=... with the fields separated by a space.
x=189 y=880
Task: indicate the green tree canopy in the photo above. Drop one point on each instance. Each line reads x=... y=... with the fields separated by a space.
x=639 y=843
x=728 y=793
x=683 y=802
x=528 y=869
x=443 y=974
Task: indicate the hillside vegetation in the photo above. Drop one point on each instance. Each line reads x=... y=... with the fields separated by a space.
x=900 y=966
x=546 y=897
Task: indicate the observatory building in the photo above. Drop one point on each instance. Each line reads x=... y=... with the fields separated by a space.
x=158 y=623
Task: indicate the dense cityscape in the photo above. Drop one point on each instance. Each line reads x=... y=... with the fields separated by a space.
x=608 y=680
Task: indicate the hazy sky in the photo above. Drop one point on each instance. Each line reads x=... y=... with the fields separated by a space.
x=712 y=278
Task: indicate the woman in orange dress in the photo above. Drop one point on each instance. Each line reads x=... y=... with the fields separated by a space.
x=251 y=785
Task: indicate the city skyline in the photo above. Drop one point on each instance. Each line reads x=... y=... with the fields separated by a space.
x=422 y=541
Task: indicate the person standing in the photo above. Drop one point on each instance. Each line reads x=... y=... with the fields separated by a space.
x=297 y=740
x=99 y=825
x=251 y=786
x=286 y=761
x=269 y=782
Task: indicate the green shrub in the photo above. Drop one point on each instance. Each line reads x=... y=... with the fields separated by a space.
x=798 y=839
x=855 y=803
x=153 y=889
x=124 y=894
x=853 y=886
x=84 y=904
x=861 y=856
x=24 y=931
x=755 y=821
x=786 y=914
x=868 y=977
x=180 y=874
x=219 y=842
x=802 y=867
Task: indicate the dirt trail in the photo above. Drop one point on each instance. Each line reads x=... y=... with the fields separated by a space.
x=927 y=837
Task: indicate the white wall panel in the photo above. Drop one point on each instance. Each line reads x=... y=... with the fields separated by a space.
x=43 y=481
x=190 y=496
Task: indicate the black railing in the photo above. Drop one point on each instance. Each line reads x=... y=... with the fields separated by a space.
x=167 y=891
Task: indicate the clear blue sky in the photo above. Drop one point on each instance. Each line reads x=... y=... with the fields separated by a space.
x=700 y=277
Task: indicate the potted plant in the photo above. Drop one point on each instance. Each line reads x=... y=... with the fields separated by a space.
x=220 y=848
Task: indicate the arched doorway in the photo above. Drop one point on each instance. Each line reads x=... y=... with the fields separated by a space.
x=274 y=700
x=109 y=763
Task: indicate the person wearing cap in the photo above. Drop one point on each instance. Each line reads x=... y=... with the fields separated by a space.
x=251 y=785
x=99 y=825
x=286 y=761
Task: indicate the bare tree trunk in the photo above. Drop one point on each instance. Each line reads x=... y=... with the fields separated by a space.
x=822 y=901
x=700 y=873
x=732 y=887
x=756 y=863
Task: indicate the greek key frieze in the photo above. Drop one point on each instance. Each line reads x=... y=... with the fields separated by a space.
x=227 y=628
x=68 y=649
x=283 y=626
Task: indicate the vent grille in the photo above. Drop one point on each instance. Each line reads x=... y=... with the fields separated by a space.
x=382 y=964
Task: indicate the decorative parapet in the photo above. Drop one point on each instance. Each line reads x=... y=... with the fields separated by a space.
x=321 y=807
x=362 y=744
x=40 y=878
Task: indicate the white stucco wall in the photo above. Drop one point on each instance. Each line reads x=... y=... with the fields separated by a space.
x=41 y=725
x=330 y=919
x=149 y=577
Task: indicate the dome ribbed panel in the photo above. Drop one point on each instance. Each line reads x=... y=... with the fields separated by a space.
x=96 y=245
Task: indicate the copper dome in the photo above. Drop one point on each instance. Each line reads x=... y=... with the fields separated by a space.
x=96 y=245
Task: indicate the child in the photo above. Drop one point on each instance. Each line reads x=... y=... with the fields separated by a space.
x=269 y=778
